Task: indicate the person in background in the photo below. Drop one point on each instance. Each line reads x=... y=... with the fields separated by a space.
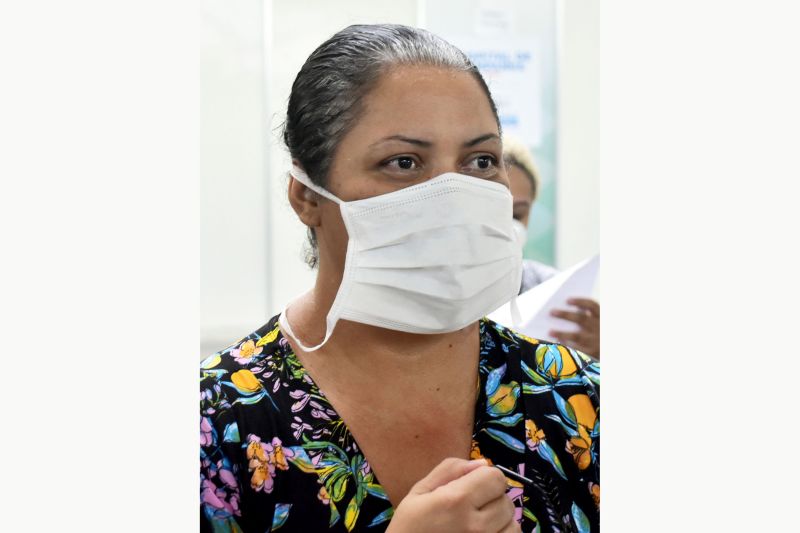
x=382 y=400
x=524 y=180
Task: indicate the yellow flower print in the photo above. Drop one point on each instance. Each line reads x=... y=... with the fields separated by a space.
x=504 y=399
x=269 y=337
x=475 y=452
x=248 y=349
x=257 y=464
x=586 y=416
x=211 y=362
x=578 y=447
x=533 y=435
x=323 y=495
x=246 y=381
x=263 y=458
x=277 y=457
x=555 y=361
x=594 y=489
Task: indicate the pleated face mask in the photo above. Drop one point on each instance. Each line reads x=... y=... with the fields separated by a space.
x=430 y=258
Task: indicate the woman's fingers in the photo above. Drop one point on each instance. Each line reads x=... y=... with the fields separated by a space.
x=580 y=317
x=588 y=343
x=497 y=515
x=588 y=305
x=448 y=470
x=481 y=486
x=511 y=527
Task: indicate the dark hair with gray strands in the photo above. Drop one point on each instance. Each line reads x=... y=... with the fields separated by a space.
x=327 y=93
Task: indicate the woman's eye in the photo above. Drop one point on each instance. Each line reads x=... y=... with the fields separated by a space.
x=402 y=163
x=484 y=162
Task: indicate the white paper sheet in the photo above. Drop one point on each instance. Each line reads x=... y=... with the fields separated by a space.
x=535 y=305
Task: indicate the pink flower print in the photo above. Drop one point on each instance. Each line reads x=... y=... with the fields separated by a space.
x=215 y=497
x=299 y=427
x=206 y=437
x=245 y=351
x=227 y=477
x=302 y=399
x=515 y=493
x=317 y=411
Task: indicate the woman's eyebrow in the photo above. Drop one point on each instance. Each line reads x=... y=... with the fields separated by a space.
x=482 y=138
x=402 y=138
x=427 y=144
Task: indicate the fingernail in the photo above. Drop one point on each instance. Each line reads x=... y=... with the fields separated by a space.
x=481 y=461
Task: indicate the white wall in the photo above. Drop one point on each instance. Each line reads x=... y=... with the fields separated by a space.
x=578 y=191
x=234 y=218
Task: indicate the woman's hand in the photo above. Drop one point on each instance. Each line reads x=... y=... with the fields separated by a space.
x=587 y=339
x=457 y=496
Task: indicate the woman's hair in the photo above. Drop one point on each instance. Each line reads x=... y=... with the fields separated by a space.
x=517 y=154
x=327 y=94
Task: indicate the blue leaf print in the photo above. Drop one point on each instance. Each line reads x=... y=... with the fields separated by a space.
x=535 y=377
x=572 y=431
x=565 y=409
x=251 y=400
x=493 y=380
x=216 y=374
x=508 y=421
x=506 y=439
x=576 y=380
x=376 y=490
x=280 y=516
x=231 y=433
x=301 y=460
x=552 y=357
x=527 y=388
x=580 y=519
x=383 y=517
x=547 y=453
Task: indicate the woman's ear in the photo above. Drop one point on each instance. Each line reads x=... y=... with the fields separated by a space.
x=305 y=203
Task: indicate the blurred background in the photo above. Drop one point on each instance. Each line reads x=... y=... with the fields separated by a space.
x=540 y=59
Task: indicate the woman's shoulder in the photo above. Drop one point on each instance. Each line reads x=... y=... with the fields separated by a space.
x=237 y=362
x=544 y=364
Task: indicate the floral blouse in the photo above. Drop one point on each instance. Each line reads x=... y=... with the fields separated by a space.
x=275 y=455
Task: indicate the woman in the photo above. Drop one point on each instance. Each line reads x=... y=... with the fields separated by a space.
x=523 y=181
x=360 y=406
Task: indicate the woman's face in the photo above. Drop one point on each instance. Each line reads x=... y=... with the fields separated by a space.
x=418 y=122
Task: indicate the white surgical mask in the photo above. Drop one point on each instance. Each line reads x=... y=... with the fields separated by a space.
x=521 y=230
x=430 y=258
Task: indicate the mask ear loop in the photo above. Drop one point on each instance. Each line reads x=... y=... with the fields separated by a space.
x=298 y=174
x=283 y=321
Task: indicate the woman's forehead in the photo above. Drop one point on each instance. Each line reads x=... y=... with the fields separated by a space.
x=427 y=102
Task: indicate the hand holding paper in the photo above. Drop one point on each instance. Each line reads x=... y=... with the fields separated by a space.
x=547 y=308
